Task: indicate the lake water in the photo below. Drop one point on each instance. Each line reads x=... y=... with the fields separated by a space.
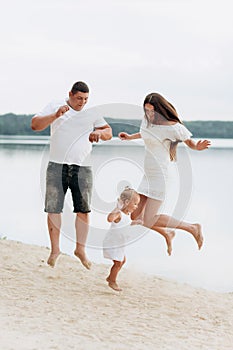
x=200 y=190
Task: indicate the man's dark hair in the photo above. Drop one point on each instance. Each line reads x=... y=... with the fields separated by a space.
x=79 y=86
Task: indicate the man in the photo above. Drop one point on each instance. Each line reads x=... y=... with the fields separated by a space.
x=72 y=135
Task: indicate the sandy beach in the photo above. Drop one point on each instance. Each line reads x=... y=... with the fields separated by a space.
x=69 y=307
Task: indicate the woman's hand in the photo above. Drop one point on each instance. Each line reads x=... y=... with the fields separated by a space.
x=202 y=144
x=199 y=146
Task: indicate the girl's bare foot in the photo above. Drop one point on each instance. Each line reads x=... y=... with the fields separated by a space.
x=52 y=259
x=169 y=237
x=113 y=285
x=82 y=257
x=197 y=234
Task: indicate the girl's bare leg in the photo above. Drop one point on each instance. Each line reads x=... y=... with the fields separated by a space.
x=111 y=279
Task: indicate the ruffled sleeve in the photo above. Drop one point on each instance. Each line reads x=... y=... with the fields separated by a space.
x=182 y=133
x=185 y=134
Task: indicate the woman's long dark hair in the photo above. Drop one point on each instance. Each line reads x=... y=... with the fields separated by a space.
x=168 y=111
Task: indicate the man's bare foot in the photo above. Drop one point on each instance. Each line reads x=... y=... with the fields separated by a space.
x=82 y=257
x=169 y=237
x=197 y=234
x=52 y=259
x=113 y=285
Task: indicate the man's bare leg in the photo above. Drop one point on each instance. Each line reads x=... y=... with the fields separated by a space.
x=54 y=226
x=82 y=227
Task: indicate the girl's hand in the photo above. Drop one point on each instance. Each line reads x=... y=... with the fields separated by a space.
x=202 y=144
x=124 y=136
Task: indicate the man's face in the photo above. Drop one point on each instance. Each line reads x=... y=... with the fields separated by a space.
x=78 y=100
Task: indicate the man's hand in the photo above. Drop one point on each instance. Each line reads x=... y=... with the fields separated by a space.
x=95 y=136
x=62 y=110
x=124 y=136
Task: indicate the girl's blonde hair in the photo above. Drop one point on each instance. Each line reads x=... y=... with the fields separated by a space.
x=128 y=193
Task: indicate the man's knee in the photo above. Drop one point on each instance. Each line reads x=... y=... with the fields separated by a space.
x=83 y=216
x=54 y=220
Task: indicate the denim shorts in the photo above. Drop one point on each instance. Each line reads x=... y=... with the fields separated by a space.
x=59 y=178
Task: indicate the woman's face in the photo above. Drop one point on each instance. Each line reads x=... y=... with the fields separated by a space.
x=150 y=112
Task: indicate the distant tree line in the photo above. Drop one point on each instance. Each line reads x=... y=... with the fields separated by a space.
x=12 y=124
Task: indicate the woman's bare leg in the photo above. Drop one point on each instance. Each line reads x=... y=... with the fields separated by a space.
x=152 y=220
x=168 y=234
x=139 y=212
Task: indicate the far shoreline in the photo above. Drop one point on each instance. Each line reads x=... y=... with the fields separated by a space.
x=115 y=141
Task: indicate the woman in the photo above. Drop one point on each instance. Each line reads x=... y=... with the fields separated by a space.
x=161 y=131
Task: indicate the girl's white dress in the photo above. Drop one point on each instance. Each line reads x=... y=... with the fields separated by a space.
x=157 y=139
x=116 y=238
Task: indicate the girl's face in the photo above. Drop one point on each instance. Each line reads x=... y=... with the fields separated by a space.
x=133 y=203
x=150 y=112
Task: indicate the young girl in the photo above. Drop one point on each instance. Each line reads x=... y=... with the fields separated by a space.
x=115 y=239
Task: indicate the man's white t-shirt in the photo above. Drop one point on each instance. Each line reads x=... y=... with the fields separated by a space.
x=69 y=143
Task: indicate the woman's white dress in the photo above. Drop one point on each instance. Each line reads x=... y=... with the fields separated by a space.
x=116 y=238
x=157 y=139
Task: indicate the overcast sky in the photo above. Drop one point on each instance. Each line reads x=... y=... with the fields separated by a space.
x=122 y=49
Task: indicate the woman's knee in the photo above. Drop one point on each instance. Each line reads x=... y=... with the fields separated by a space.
x=139 y=212
x=150 y=221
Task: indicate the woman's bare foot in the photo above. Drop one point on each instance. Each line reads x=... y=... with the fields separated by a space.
x=113 y=285
x=197 y=234
x=169 y=237
x=52 y=259
x=82 y=257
